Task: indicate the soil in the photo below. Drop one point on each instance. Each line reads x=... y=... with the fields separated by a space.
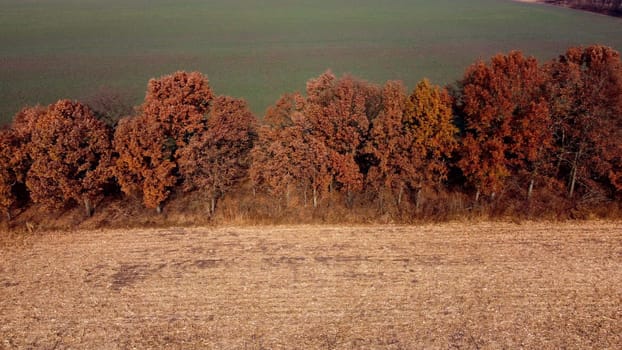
x=449 y=286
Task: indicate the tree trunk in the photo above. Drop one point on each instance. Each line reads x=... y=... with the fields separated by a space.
x=418 y=200
x=530 y=191
x=287 y=197
x=88 y=209
x=212 y=207
x=573 y=178
x=399 y=196
x=477 y=196
x=159 y=209
x=304 y=195
x=349 y=199
x=573 y=181
x=8 y=214
x=381 y=201
x=314 y=197
x=492 y=196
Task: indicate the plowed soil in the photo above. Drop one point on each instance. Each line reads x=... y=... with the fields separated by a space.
x=459 y=285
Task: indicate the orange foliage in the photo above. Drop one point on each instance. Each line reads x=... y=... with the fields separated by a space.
x=507 y=121
x=288 y=154
x=522 y=126
x=174 y=110
x=7 y=174
x=585 y=97
x=217 y=158
x=14 y=158
x=71 y=156
x=430 y=123
x=412 y=138
x=339 y=113
x=390 y=142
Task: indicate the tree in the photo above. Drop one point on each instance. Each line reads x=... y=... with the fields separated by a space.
x=8 y=176
x=217 y=158
x=584 y=91
x=412 y=138
x=175 y=109
x=144 y=163
x=507 y=121
x=71 y=156
x=431 y=134
x=287 y=153
x=14 y=158
x=110 y=105
x=339 y=113
x=390 y=143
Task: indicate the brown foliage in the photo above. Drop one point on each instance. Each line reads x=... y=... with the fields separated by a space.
x=507 y=121
x=14 y=158
x=412 y=139
x=71 y=156
x=8 y=177
x=526 y=130
x=585 y=97
x=288 y=155
x=174 y=110
x=610 y=7
x=433 y=134
x=339 y=112
x=216 y=158
x=389 y=142
x=110 y=105
x=143 y=164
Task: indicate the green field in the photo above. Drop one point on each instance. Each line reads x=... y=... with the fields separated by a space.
x=51 y=49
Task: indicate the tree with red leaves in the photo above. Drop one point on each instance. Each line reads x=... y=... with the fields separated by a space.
x=507 y=122
x=8 y=177
x=14 y=157
x=339 y=112
x=585 y=97
x=288 y=154
x=217 y=158
x=71 y=156
x=412 y=138
x=144 y=164
x=390 y=143
x=175 y=109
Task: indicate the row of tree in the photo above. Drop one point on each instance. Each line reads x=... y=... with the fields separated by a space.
x=612 y=7
x=508 y=123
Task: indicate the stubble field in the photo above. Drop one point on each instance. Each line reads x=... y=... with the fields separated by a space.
x=458 y=285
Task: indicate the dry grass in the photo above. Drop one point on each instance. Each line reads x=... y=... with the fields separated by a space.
x=456 y=285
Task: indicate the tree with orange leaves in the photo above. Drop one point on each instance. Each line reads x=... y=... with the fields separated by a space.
x=14 y=157
x=71 y=156
x=217 y=158
x=431 y=134
x=8 y=176
x=144 y=163
x=412 y=138
x=287 y=153
x=339 y=112
x=390 y=144
x=585 y=97
x=507 y=121
x=174 y=110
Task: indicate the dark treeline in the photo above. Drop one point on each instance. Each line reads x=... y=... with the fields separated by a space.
x=610 y=7
x=512 y=137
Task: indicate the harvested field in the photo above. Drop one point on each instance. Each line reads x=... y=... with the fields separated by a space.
x=459 y=285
